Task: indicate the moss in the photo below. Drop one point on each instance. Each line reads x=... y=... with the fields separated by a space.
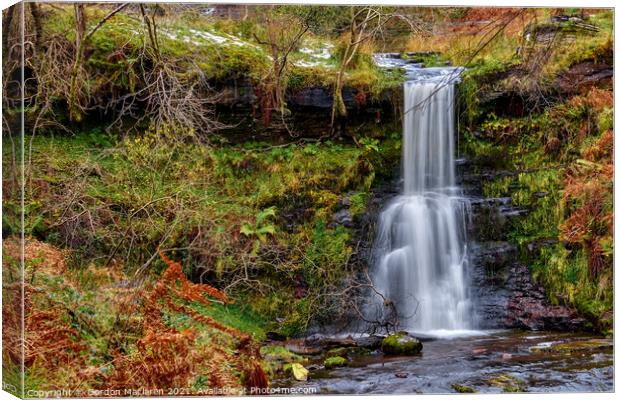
x=508 y=383
x=279 y=353
x=579 y=346
x=401 y=343
x=463 y=389
x=338 y=351
x=335 y=362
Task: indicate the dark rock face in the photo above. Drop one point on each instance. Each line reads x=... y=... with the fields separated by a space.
x=490 y=282
x=586 y=74
x=239 y=106
x=505 y=294
x=528 y=308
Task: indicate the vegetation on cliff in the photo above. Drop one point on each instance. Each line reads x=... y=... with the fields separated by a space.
x=552 y=132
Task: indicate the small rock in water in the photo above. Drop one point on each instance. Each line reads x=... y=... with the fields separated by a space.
x=478 y=351
x=506 y=356
x=401 y=344
x=401 y=375
x=302 y=349
x=314 y=367
x=335 y=362
x=338 y=351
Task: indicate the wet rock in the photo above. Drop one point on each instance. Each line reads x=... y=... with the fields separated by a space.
x=508 y=383
x=371 y=342
x=401 y=343
x=299 y=372
x=335 y=362
x=494 y=257
x=343 y=217
x=401 y=375
x=477 y=352
x=578 y=346
x=528 y=307
x=331 y=342
x=338 y=352
x=392 y=55
x=301 y=347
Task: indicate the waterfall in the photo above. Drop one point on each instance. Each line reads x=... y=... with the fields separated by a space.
x=420 y=255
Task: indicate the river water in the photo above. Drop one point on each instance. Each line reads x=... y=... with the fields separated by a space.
x=495 y=362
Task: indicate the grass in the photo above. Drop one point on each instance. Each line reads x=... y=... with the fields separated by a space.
x=142 y=192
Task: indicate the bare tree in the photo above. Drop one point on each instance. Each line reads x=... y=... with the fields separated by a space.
x=81 y=37
x=285 y=30
x=175 y=98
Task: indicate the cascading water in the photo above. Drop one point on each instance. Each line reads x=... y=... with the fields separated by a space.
x=420 y=252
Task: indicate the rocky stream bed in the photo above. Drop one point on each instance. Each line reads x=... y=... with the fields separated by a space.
x=491 y=362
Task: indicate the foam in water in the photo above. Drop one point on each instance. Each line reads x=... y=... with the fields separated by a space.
x=420 y=251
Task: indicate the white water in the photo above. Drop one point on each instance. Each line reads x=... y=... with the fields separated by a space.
x=420 y=251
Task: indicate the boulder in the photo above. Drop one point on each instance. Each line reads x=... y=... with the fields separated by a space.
x=401 y=344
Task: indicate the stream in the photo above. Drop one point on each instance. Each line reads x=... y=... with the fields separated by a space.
x=494 y=362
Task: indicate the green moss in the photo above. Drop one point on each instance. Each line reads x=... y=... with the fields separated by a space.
x=335 y=362
x=338 y=352
x=401 y=343
x=508 y=383
x=463 y=389
x=279 y=353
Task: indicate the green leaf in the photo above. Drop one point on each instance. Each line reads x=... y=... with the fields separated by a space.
x=247 y=230
x=270 y=229
x=268 y=212
x=299 y=372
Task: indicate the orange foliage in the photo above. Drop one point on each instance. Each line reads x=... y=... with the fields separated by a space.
x=596 y=99
x=49 y=342
x=169 y=358
x=164 y=357
x=588 y=197
x=189 y=291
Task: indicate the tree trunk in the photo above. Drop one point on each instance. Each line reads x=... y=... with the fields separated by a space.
x=36 y=21
x=75 y=113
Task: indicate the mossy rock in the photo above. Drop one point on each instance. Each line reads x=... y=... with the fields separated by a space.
x=401 y=344
x=338 y=352
x=360 y=351
x=335 y=362
x=463 y=389
x=582 y=345
x=279 y=354
x=508 y=383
